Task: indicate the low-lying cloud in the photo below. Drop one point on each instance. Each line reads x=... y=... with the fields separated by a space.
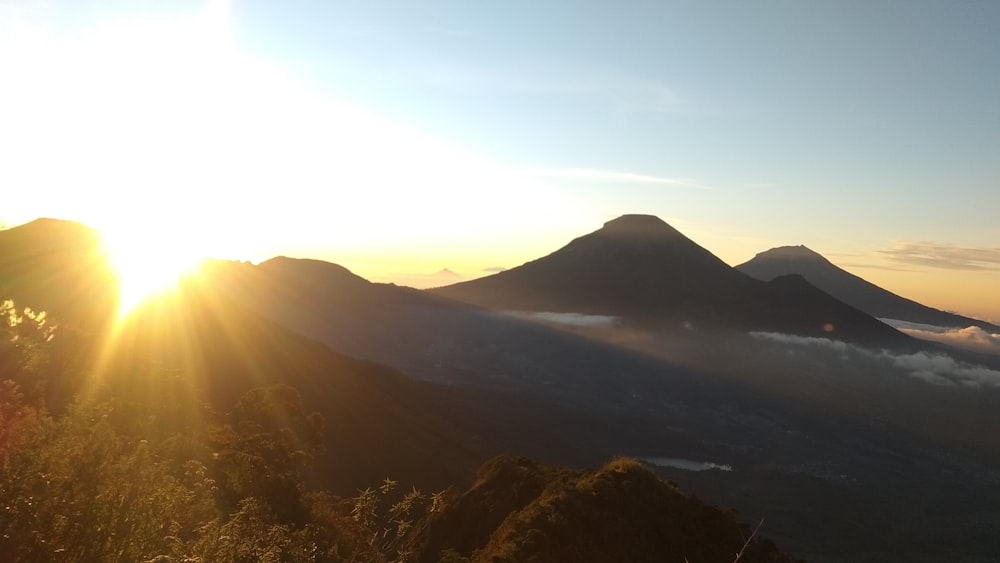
x=969 y=338
x=947 y=256
x=932 y=367
x=572 y=319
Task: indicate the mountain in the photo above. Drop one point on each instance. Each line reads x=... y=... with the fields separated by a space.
x=441 y=340
x=57 y=266
x=804 y=427
x=377 y=420
x=641 y=269
x=850 y=288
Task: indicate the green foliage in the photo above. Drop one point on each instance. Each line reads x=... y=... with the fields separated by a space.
x=124 y=475
x=621 y=512
x=387 y=516
x=83 y=490
x=24 y=344
x=265 y=450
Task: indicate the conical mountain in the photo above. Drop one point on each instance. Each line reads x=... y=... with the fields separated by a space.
x=642 y=269
x=634 y=265
x=849 y=288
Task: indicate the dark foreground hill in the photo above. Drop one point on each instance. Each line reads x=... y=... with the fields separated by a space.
x=518 y=510
x=643 y=270
x=849 y=288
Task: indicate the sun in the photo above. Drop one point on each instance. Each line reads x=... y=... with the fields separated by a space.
x=146 y=266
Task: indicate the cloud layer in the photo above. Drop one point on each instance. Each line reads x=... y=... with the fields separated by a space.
x=572 y=319
x=969 y=338
x=934 y=368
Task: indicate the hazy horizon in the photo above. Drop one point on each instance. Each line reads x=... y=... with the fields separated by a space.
x=398 y=140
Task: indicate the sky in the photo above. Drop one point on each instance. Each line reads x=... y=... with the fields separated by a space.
x=401 y=138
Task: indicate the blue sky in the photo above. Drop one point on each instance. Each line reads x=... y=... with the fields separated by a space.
x=493 y=132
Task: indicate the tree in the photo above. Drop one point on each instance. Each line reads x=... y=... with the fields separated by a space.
x=265 y=450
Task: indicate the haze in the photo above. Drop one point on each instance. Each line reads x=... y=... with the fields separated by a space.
x=401 y=138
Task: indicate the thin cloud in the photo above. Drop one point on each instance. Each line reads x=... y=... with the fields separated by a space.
x=871 y=266
x=945 y=256
x=617 y=90
x=494 y=269
x=571 y=319
x=389 y=32
x=614 y=177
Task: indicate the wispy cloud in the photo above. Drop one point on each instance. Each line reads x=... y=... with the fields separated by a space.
x=942 y=255
x=617 y=90
x=864 y=266
x=614 y=177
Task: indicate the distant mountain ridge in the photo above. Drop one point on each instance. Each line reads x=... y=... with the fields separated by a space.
x=849 y=288
x=640 y=268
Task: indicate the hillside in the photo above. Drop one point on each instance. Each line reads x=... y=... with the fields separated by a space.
x=849 y=288
x=517 y=510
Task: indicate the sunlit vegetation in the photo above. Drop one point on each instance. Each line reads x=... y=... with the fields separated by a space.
x=518 y=510
x=123 y=475
x=143 y=469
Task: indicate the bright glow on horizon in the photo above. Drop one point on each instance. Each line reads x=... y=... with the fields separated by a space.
x=147 y=266
x=196 y=136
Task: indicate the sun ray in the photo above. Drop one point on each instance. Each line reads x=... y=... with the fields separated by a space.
x=146 y=266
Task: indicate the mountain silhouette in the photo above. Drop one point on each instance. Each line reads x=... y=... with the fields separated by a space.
x=794 y=422
x=57 y=266
x=642 y=269
x=849 y=288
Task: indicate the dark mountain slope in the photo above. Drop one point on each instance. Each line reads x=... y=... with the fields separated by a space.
x=520 y=511
x=57 y=266
x=640 y=268
x=376 y=422
x=794 y=294
x=442 y=340
x=849 y=288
